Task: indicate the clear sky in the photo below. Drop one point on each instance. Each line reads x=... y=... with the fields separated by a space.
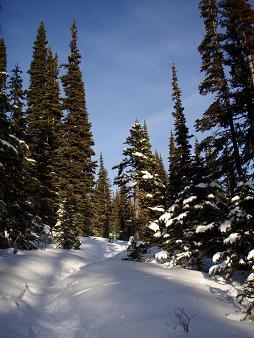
x=127 y=49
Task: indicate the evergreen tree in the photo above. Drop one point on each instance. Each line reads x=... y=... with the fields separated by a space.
x=161 y=174
x=238 y=233
x=101 y=203
x=172 y=188
x=237 y=21
x=189 y=228
x=17 y=102
x=66 y=231
x=220 y=114
x=181 y=139
x=75 y=153
x=54 y=108
x=135 y=173
x=41 y=124
x=121 y=214
x=7 y=152
x=18 y=220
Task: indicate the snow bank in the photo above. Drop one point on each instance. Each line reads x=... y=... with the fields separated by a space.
x=92 y=293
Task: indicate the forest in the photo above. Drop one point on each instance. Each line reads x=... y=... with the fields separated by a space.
x=198 y=207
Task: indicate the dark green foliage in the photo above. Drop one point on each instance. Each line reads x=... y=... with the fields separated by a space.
x=101 y=203
x=7 y=151
x=43 y=123
x=237 y=22
x=162 y=181
x=190 y=226
x=172 y=187
x=17 y=102
x=121 y=214
x=220 y=114
x=75 y=153
x=238 y=232
x=181 y=156
x=22 y=223
x=136 y=174
x=17 y=185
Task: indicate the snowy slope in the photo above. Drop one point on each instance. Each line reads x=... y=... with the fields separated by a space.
x=92 y=293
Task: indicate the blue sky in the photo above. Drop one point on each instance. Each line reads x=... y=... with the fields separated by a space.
x=127 y=49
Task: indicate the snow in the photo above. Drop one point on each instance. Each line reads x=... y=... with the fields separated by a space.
x=202 y=185
x=130 y=184
x=225 y=225
x=138 y=154
x=189 y=199
x=146 y=175
x=204 y=228
x=154 y=226
x=232 y=238
x=217 y=256
x=235 y=198
x=250 y=255
x=182 y=216
x=92 y=293
x=160 y=209
x=161 y=255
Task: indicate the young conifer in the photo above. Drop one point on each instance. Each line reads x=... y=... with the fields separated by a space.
x=17 y=101
x=101 y=203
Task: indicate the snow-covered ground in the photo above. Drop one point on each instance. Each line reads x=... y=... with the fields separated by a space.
x=92 y=293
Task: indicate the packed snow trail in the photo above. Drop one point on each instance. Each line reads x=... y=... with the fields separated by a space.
x=92 y=293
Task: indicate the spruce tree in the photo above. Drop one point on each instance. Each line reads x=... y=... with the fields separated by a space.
x=181 y=140
x=76 y=163
x=17 y=102
x=172 y=187
x=18 y=221
x=66 y=231
x=220 y=114
x=7 y=152
x=238 y=233
x=54 y=108
x=135 y=173
x=41 y=119
x=237 y=21
x=121 y=214
x=101 y=203
x=189 y=228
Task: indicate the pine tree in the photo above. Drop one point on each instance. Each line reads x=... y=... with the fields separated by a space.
x=66 y=231
x=77 y=166
x=161 y=174
x=17 y=102
x=101 y=203
x=237 y=229
x=121 y=214
x=18 y=220
x=54 y=108
x=181 y=138
x=237 y=20
x=41 y=124
x=189 y=228
x=220 y=114
x=135 y=173
x=7 y=152
x=172 y=187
